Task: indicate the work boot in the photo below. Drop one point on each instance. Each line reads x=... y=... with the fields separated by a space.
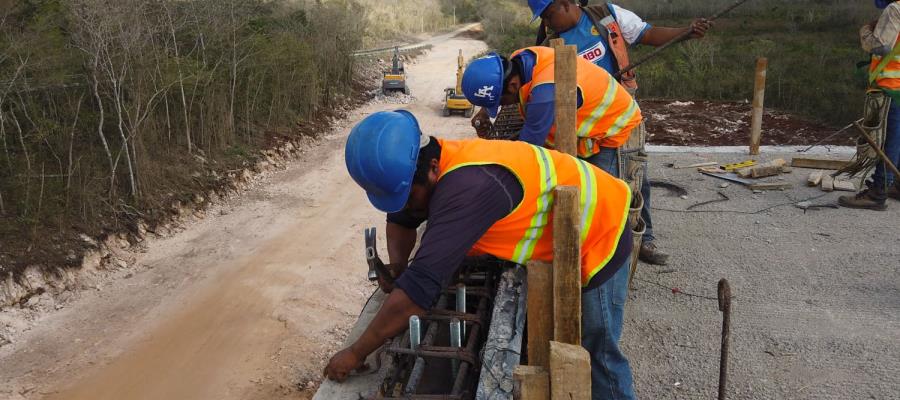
x=651 y=255
x=868 y=199
x=894 y=191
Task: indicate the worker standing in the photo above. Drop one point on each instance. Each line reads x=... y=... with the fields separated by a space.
x=880 y=39
x=487 y=197
x=602 y=33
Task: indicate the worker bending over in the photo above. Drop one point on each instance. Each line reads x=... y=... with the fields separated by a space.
x=606 y=112
x=879 y=38
x=487 y=197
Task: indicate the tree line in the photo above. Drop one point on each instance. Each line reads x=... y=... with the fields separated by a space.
x=109 y=106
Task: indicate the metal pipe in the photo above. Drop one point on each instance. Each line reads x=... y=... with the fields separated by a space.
x=415 y=332
x=419 y=367
x=461 y=304
x=455 y=341
x=725 y=308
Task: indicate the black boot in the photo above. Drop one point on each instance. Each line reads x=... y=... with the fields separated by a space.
x=869 y=199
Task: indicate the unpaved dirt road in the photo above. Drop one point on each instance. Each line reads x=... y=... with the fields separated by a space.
x=245 y=304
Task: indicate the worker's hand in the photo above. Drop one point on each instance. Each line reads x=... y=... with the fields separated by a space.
x=342 y=364
x=396 y=270
x=482 y=123
x=699 y=27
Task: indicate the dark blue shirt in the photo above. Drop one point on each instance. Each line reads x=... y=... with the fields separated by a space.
x=465 y=204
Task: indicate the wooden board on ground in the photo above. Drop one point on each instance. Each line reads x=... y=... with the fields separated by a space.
x=815 y=178
x=771 y=168
x=570 y=372
x=844 y=185
x=501 y=357
x=818 y=163
x=356 y=386
x=828 y=183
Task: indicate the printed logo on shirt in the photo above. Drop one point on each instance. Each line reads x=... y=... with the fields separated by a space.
x=594 y=31
x=485 y=91
x=594 y=52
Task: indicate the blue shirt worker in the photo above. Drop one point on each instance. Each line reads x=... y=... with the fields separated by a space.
x=602 y=34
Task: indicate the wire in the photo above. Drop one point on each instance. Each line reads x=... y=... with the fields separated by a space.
x=677 y=290
x=740 y=211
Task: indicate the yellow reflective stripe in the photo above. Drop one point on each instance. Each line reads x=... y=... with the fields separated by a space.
x=623 y=224
x=584 y=129
x=889 y=74
x=526 y=245
x=588 y=197
x=623 y=120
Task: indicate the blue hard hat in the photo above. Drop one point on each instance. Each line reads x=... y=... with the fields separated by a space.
x=883 y=3
x=381 y=154
x=538 y=7
x=482 y=82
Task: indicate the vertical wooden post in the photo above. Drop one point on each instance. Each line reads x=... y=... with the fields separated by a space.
x=566 y=266
x=531 y=382
x=759 y=94
x=570 y=372
x=540 y=313
x=566 y=95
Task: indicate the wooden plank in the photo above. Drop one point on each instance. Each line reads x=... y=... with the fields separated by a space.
x=815 y=178
x=570 y=372
x=770 y=168
x=540 y=312
x=531 y=382
x=818 y=163
x=502 y=355
x=566 y=266
x=363 y=385
x=565 y=84
x=844 y=185
x=759 y=94
x=676 y=165
x=828 y=183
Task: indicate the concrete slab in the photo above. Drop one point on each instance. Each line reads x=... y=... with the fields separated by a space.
x=815 y=314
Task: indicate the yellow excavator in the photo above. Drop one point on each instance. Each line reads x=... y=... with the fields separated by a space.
x=454 y=100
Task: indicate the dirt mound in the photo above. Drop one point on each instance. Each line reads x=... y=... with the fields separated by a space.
x=707 y=123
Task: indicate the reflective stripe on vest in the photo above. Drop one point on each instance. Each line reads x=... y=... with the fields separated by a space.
x=607 y=113
x=527 y=232
x=888 y=77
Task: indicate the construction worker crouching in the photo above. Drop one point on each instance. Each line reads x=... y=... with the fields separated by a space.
x=487 y=197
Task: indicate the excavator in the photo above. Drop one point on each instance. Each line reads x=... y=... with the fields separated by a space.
x=395 y=79
x=454 y=100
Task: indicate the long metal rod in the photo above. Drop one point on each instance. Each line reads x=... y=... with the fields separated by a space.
x=674 y=40
x=725 y=308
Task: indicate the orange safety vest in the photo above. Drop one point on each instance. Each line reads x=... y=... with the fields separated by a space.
x=527 y=232
x=607 y=113
x=886 y=76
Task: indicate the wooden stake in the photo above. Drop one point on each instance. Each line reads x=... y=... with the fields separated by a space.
x=540 y=312
x=570 y=372
x=759 y=94
x=566 y=95
x=531 y=382
x=566 y=266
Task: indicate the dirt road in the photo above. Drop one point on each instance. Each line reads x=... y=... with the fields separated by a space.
x=245 y=304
